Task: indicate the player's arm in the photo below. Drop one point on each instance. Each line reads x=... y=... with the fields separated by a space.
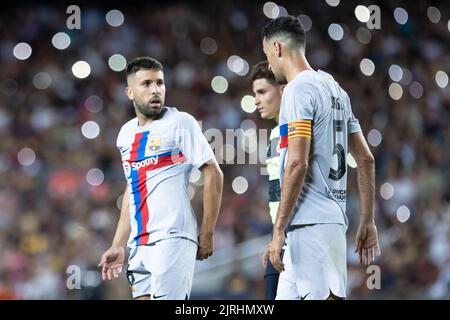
x=112 y=260
x=294 y=176
x=367 y=237
x=123 y=227
x=212 y=197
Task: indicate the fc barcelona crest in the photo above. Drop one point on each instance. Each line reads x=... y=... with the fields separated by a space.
x=154 y=144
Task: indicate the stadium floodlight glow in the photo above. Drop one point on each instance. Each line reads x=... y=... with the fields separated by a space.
x=395 y=91
x=239 y=185
x=248 y=104
x=367 y=67
x=387 y=191
x=395 y=73
x=362 y=13
x=306 y=22
x=22 y=51
x=403 y=214
x=90 y=129
x=81 y=69
x=271 y=10
x=115 y=18
x=448 y=25
x=336 y=32
x=95 y=177
x=117 y=62
x=61 y=40
x=400 y=15
x=219 y=84
x=434 y=14
x=416 y=90
x=208 y=45
x=94 y=104
x=42 y=80
x=374 y=137
x=26 y=157
x=441 y=79
x=333 y=3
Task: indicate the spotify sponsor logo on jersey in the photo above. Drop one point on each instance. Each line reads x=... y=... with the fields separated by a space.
x=138 y=165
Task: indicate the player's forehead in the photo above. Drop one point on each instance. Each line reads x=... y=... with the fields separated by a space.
x=148 y=74
x=261 y=84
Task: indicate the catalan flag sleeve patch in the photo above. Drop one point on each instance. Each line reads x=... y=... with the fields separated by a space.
x=299 y=128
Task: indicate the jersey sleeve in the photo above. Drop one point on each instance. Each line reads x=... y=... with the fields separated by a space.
x=298 y=111
x=193 y=143
x=352 y=122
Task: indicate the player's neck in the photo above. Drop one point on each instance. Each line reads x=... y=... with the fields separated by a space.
x=144 y=120
x=295 y=65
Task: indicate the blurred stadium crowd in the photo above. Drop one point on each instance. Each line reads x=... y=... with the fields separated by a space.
x=61 y=176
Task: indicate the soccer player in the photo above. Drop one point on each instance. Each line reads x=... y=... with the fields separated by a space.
x=159 y=148
x=317 y=129
x=267 y=100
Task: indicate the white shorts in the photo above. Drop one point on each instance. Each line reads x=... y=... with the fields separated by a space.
x=163 y=270
x=315 y=263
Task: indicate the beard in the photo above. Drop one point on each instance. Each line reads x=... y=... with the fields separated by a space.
x=147 y=110
x=280 y=78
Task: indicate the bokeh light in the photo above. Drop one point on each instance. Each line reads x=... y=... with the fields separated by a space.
x=115 y=18
x=248 y=104
x=81 y=69
x=26 y=157
x=22 y=51
x=219 y=84
x=61 y=40
x=90 y=129
x=95 y=177
x=239 y=185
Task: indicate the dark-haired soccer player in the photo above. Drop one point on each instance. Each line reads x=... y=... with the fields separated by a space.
x=267 y=100
x=317 y=129
x=159 y=148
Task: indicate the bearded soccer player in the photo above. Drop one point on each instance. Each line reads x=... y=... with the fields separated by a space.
x=267 y=100
x=317 y=129
x=159 y=148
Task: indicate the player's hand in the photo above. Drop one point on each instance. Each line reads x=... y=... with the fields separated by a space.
x=205 y=246
x=367 y=246
x=275 y=247
x=265 y=257
x=112 y=262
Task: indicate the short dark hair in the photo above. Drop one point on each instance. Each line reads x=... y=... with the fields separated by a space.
x=261 y=71
x=143 y=63
x=289 y=26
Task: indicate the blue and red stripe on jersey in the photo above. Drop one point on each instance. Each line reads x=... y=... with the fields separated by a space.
x=283 y=136
x=139 y=181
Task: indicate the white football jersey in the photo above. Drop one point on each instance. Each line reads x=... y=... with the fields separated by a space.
x=314 y=105
x=157 y=161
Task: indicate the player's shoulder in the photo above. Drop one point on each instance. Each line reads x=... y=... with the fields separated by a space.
x=185 y=118
x=306 y=81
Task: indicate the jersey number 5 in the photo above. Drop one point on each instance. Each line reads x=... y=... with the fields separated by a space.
x=338 y=149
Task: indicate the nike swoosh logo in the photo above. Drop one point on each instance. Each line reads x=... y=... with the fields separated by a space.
x=157 y=297
x=304 y=297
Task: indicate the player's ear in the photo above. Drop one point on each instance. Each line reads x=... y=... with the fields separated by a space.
x=277 y=47
x=282 y=88
x=129 y=93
